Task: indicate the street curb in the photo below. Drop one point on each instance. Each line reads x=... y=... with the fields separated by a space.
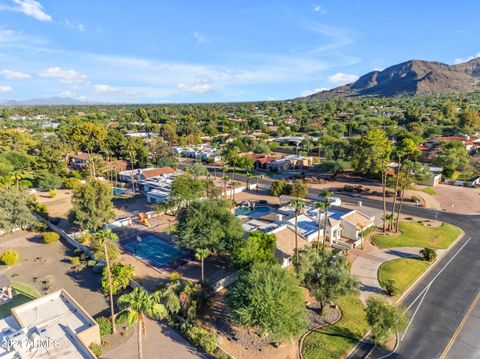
x=310 y=331
x=429 y=269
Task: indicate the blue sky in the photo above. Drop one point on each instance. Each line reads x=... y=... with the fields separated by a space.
x=207 y=51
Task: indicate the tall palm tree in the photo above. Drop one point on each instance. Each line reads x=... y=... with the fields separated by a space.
x=136 y=305
x=298 y=205
x=233 y=184
x=321 y=207
x=326 y=195
x=105 y=238
x=384 y=173
x=201 y=254
x=225 y=180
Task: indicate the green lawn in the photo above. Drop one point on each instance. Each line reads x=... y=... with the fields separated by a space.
x=428 y=190
x=25 y=294
x=337 y=340
x=402 y=271
x=418 y=235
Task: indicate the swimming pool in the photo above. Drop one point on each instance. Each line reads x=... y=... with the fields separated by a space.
x=154 y=251
x=120 y=191
x=253 y=212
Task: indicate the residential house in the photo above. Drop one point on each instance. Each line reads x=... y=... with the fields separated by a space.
x=52 y=326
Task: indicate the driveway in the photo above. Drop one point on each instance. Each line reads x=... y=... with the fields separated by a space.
x=365 y=266
x=161 y=342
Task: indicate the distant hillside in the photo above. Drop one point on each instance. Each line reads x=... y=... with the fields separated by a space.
x=45 y=101
x=411 y=78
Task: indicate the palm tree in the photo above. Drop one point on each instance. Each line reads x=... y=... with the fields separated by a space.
x=201 y=254
x=384 y=173
x=225 y=180
x=136 y=305
x=326 y=195
x=321 y=207
x=104 y=238
x=390 y=217
x=298 y=205
x=233 y=184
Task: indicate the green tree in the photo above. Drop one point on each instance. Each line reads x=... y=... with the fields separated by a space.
x=187 y=188
x=121 y=275
x=452 y=157
x=372 y=156
x=298 y=189
x=277 y=188
x=384 y=319
x=135 y=306
x=258 y=247
x=269 y=298
x=103 y=241
x=87 y=136
x=207 y=223
x=326 y=276
x=197 y=170
x=92 y=205
x=15 y=208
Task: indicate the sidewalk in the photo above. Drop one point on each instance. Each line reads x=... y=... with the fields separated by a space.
x=365 y=266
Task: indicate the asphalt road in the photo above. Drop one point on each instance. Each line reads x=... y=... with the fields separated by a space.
x=444 y=308
x=440 y=302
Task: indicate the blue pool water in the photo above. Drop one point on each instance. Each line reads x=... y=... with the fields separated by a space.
x=154 y=250
x=120 y=191
x=252 y=212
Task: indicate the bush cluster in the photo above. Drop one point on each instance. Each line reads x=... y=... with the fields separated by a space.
x=200 y=337
x=10 y=257
x=50 y=237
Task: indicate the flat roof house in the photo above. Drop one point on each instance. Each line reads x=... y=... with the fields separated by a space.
x=52 y=326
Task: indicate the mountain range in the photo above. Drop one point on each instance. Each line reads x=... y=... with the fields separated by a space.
x=411 y=78
x=56 y=100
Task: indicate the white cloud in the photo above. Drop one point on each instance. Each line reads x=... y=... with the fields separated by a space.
x=113 y=90
x=341 y=78
x=73 y=25
x=201 y=38
x=311 y=92
x=4 y=89
x=14 y=75
x=319 y=9
x=64 y=76
x=460 y=60
x=199 y=86
x=28 y=7
x=70 y=94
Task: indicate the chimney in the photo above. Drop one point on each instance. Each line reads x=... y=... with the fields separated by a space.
x=279 y=217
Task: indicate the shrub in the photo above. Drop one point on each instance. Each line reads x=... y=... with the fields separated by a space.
x=52 y=193
x=105 y=326
x=428 y=254
x=96 y=349
x=71 y=183
x=10 y=257
x=39 y=226
x=50 y=237
x=200 y=337
x=85 y=239
x=384 y=319
x=41 y=209
x=391 y=287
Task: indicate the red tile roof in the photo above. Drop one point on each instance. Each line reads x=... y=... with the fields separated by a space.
x=154 y=172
